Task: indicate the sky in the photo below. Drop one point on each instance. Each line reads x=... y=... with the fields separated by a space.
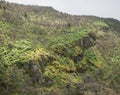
x=101 y=8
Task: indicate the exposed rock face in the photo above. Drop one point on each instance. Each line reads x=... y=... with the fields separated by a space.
x=36 y=67
x=86 y=42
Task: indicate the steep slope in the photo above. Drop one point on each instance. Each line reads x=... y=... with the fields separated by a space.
x=45 y=52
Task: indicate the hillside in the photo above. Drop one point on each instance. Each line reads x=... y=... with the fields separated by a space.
x=46 y=52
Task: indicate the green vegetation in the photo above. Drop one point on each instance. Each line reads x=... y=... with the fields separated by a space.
x=45 y=52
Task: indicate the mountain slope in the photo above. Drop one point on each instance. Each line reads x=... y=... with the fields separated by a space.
x=45 y=52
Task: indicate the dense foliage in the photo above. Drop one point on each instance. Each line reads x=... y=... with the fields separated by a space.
x=45 y=52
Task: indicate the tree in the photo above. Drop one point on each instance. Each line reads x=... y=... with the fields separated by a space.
x=14 y=80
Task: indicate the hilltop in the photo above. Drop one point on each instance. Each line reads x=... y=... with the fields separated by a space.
x=46 y=52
